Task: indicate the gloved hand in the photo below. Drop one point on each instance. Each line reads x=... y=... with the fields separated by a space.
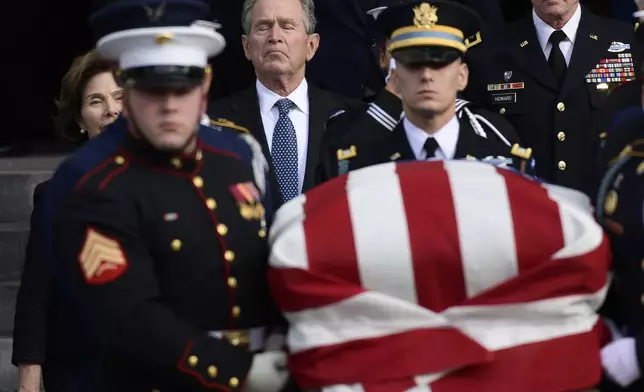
x=268 y=373
x=619 y=360
x=392 y=66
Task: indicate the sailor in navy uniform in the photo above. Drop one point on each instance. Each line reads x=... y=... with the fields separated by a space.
x=620 y=209
x=164 y=241
x=428 y=43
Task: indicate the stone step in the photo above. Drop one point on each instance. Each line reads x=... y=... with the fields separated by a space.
x=16 y=194
x=8 y=372
x=13 y=241
x=8 y=294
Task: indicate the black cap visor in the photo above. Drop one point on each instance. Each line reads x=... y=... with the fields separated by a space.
x=162 y=77
x=436 y=56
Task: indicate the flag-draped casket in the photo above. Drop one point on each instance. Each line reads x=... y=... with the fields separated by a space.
x=445 y=276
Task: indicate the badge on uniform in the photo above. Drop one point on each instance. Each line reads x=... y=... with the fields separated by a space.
x=101 y=259
x=248 y=200
x=618 y=69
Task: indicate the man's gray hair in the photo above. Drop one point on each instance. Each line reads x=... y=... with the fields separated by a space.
x=307 y=8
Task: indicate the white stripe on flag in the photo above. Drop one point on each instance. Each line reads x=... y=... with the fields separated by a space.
x=582 y=234
x=485 y=226
x=380 y=231
x=289 y=250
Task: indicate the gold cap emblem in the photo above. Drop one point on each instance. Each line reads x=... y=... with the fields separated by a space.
x=163 y=38
x=425 y=16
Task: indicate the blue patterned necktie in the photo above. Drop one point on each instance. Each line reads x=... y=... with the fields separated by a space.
x=284 y=151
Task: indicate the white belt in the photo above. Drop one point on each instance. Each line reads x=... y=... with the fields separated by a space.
x=253 y=338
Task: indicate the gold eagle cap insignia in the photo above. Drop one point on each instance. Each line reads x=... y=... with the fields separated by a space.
x=425 y=16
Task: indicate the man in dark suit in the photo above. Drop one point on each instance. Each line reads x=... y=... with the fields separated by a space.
x=549 y=73
x=284 y=112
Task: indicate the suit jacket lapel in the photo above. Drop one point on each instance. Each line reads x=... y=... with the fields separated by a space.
x=321 y=107
x=527 y=53
x=587 y=52
x=465 y=141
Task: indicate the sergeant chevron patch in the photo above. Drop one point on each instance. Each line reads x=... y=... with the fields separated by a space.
x=101 y=259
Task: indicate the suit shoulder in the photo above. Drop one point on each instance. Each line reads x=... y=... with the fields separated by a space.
x=40 y=190
x=228 y=138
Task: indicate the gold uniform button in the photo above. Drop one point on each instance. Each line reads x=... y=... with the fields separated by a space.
x=176 y=245
x=119 y=160
x=642 y=299
x=222 y=229
x=233 y=382
x=193 y=361
x=198 y=181
x=643 y=264
x=232 y=282
x=211 y=204
x=236 y=311
x=199 y=155
x=212 y=371
x=229 y=255
x=262 y=233
x=561 y=165
x=561 y=106
x=176 y=162
x=502 y=111
x=235 y=341
x=561 y=136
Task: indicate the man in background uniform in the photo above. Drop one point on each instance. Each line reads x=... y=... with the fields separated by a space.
x=165 y=241
x=428 y=43
x=548 y=74
x=620 y=210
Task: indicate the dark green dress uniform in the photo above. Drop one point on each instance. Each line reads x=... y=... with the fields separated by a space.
x=376 y=136
x=557 y=120
x=166 y=252
x=620 y=210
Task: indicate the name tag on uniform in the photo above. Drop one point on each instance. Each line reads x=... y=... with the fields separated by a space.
x=504 y=98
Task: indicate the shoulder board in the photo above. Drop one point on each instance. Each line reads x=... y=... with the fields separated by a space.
x=220 y=122
x=473 y=40
x=344 y=154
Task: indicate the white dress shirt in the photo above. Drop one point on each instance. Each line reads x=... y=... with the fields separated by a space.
x=299 y=116
x=544 y=31
x=446 y=137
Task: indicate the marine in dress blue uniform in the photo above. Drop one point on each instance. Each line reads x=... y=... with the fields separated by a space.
x=165 y=249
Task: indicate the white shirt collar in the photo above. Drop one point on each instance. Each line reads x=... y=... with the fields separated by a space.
x=544 y=30
x=446 y=137
x=268 y=99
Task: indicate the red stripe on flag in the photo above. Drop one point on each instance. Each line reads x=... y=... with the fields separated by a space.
x=571 y=363
x=295 y=289
x=537 y=224
x=435 y=247
x=328 y=231
x=387 y=358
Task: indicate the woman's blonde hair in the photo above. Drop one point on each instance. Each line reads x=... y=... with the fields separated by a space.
x=72 y=87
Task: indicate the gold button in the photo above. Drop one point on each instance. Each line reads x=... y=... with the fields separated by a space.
x=176 y=162
x=610 y=202
x=211 y=204
x=222 y=229
x=561 y=106
x=212 y=371
x=199 y=155
x=234 y=341
x=229 y=255
x=642 y=299
x=643 y=264
x=119 y=160
x=561 y=165
x=232 y=282
x=234 y=382
x=561 y=136
x=176 y=245
x=502 y=111
x=236 y=311
x=193 y=361
x=198 y=181
x=262 y=233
